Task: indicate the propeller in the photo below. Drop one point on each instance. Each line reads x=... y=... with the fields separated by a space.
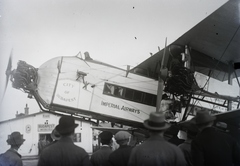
x=8 y=72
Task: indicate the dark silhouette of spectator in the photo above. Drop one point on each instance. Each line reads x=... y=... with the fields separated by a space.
x=121 y=156
x=212 y=147
x=11 y=157
x=234 y=132
x=64 y=152
x=156 y=151
x=186 y=146
x=174 y=139
x=100 y=157
x=55 y=136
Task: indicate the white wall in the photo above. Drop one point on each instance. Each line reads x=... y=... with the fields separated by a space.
x=10 y=126
x=28 y=126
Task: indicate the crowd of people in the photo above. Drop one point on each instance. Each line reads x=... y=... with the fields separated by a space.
x=205 y=147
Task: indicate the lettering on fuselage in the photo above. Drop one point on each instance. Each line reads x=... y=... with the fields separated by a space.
x=130 y=109
x=65 y=92
x=116 y=106
x=66 y=99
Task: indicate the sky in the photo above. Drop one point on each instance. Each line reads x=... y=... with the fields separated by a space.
x=118 y=32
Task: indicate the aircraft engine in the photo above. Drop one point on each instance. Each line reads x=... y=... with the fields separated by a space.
x=24 y=77
x=181 y=81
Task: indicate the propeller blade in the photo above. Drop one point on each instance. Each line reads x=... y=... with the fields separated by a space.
x=9 y=66
x=5 y=88
x=8 y=73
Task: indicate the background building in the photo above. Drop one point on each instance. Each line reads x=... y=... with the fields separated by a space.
x=39 y=126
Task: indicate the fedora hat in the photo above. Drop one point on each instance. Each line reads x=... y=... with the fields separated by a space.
x=156 y=122
x=55 y=135
x=66 y=125
x=202 y=117
x=15 y=138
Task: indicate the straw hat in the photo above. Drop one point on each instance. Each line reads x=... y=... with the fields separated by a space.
x=156 y=122
x=202 y=117
x=66 y=125
x=15 y=139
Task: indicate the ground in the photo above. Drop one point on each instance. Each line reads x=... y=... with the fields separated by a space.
x=31 y=161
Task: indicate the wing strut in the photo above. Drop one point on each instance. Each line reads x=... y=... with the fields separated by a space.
x=161 y=77
x=236 y=78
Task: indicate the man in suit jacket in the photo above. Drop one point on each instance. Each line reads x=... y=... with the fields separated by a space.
x=100 y=157
x=156 y=151
x=64 y=152
x=11 y=157
x=212 y=147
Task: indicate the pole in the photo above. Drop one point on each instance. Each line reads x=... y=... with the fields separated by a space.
x=162 y=73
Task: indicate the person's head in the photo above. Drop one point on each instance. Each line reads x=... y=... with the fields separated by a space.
x=15 y=140
x=203 y=119
x=156 y=123
x=173 y=130
x=66 y=126
x=55 y=135
x=191 y=134
x=122 y=137
x=106 y=137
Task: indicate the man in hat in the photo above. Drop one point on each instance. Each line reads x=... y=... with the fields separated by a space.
x=156 y=151
x=100 y=157
x=174 y=129
x=121 y=156
x=211 y=147
x=55 y=137
x=11 y=157
x=64 y=152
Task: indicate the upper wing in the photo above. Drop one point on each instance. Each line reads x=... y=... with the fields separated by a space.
x=214 y=45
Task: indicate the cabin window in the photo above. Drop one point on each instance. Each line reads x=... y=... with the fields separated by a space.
x=130 y=94
x=148 y=99
x=138 y=96
x=108 y=89
x=118 y=91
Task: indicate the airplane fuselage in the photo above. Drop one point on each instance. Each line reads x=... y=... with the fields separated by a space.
x=101 y=91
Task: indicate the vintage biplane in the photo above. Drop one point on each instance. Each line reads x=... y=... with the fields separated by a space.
x=93 y=90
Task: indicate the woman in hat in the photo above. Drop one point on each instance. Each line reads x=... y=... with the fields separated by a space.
x=156 y=151
x=211 y=147
x=11 y=157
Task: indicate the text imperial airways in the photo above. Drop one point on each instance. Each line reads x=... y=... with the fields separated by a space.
x=116 y=106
